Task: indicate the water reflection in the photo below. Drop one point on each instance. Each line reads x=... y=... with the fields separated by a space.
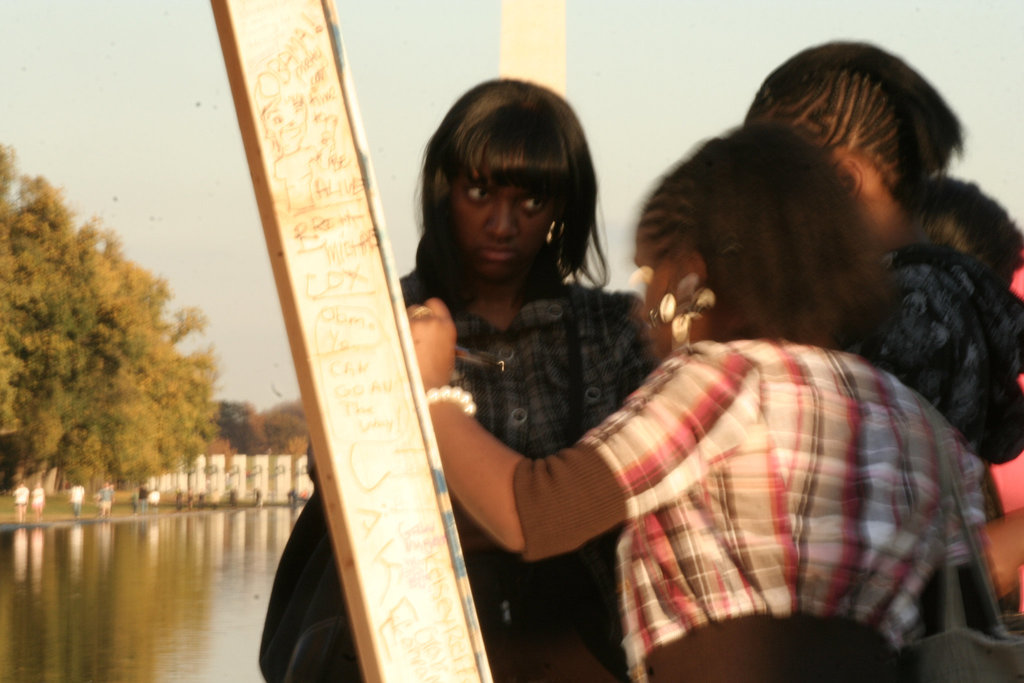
x=164 y=598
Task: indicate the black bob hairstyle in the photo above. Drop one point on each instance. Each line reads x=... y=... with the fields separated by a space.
x=518 y=134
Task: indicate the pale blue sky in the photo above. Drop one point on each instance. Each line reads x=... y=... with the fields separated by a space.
x=125 y=104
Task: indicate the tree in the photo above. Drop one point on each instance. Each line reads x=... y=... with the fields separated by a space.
x=281 y=429
x=285 y=426
x=92 y=379
x=235 y=425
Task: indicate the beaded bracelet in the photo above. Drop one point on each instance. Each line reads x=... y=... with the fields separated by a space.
x=453 y=395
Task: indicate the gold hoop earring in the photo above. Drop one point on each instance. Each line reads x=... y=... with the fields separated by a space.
x=555 y=231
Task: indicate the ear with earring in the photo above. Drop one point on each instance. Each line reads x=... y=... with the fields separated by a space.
x=680 y=308
x=555 y=231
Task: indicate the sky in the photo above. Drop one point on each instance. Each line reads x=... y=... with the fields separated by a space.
x=125 y=105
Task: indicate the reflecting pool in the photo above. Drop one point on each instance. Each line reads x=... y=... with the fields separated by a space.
x=169 y=597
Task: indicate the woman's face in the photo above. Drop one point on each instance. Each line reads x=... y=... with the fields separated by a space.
x=499 y=229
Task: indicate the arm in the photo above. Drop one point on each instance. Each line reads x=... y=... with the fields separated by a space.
x=1005 y=551
x=480 y=471
x=479 y=468
x=552 y=505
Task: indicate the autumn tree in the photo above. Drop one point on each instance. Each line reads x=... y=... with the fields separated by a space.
x=280 y=429
x=93 y=379
x=285 y=428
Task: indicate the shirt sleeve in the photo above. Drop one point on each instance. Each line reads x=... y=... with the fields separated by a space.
x=641 y=458
x=564 y=500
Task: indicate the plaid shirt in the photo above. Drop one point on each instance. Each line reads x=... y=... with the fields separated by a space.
x=760 y=478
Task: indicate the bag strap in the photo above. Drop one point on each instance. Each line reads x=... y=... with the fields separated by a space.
x=574 y=425
x=952 y=596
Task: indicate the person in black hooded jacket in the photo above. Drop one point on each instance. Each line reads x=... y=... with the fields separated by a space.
x=958 y=333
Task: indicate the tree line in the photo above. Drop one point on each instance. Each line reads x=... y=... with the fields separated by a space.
x=95 y=379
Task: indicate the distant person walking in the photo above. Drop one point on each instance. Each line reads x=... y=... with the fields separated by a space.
x=77 y=496
x=21 y=502
x=106 y=497
x=38 y=501
x=143 y=500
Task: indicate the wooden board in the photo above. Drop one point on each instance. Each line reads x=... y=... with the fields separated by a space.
x=385 y=496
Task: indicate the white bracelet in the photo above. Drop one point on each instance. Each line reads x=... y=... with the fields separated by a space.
x=453 y=395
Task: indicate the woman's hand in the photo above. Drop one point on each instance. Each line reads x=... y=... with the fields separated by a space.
x=433 y=335
x=478 y=467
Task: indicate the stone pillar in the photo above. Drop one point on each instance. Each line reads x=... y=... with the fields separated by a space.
x=280 y=477
x=179 y=482
x=236 y=475
x=302 y=483
x=259 y=474
x=197 y=478
x=215 y=477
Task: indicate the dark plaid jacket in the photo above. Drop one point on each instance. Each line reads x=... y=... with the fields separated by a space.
x=957 y=338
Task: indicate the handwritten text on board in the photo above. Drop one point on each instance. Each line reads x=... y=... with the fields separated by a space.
x=313 y=184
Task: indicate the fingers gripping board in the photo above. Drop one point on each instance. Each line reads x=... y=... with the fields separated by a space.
x=384 y=493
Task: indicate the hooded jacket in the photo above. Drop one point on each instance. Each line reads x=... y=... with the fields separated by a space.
x=956 y=337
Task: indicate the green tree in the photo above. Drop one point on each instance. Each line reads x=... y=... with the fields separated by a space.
x=92 y=379
x=235 y=422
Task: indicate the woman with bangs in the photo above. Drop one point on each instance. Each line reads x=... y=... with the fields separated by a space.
x=508 y=208
x=510 y=244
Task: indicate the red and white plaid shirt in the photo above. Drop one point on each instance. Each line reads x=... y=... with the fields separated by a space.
x=757 y=477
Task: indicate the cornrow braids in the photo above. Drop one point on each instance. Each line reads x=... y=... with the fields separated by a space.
x=858 y=96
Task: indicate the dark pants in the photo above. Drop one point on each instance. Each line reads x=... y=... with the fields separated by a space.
x=763 y=649
x=307 y=637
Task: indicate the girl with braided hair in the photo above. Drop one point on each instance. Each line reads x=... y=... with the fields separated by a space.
x=957 y=336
